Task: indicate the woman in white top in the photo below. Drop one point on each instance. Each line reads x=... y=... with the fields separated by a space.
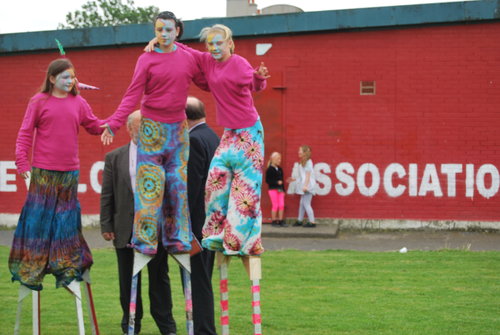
x=306 y=187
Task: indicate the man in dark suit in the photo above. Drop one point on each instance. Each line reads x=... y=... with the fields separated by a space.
x=203 y=142
x=117 y=217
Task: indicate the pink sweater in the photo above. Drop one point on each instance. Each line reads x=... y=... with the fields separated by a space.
x=54 y=124
x=162 y=81
x=231 y=83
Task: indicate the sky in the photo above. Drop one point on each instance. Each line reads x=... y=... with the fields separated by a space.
x=38 y=15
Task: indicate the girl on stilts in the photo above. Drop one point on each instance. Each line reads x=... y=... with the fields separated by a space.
x=161 y=79
x=48 y=237
x=233 y=190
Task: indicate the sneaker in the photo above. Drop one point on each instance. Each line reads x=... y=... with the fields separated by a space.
x=283 y=223
x=310 y=225
x=297 y=224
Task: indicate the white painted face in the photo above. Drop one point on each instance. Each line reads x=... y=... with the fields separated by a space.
x=65 y=80
x=165 y=32
x=218 y=47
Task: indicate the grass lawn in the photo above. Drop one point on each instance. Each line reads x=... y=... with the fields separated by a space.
x=307 y=293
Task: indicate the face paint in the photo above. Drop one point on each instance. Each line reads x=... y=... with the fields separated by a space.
x=65 y=80
x=218 y=47
x=165 y=32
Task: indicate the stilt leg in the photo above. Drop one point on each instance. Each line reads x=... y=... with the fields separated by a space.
x=253 y=266
x=140 y=261
x=184 y=261
x=90 y=303
x=74 y=288
x=132 y=305
x=23 y=293
x=36 y=312
x=186 y=278
x=256 y=316
x=222 y=263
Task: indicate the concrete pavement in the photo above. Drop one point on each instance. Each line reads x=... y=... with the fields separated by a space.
x=328 y=236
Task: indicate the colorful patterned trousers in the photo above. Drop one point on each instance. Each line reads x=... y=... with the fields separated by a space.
x=232 y=195
x=48 y=236
x=161 y=206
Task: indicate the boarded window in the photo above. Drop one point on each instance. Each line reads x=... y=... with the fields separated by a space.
x=367 y=87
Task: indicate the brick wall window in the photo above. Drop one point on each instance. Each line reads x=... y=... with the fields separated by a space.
x=367 y=87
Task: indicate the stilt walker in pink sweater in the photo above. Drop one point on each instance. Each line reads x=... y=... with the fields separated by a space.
x=48 y=236
x=233 y=190
x=160 y=83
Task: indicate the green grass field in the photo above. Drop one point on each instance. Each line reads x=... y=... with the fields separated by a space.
x=307 y=293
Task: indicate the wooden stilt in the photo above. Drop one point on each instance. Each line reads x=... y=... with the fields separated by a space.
x=36 y=312
x=133 y=304
x=140 y=261
x=74 y=289
x=23 y=293
x=223 y=263
x=253 y=266
x=184 y=261
x=90 y=303
x=186 y=278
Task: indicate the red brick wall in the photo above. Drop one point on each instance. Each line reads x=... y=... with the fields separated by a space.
x=437 y=100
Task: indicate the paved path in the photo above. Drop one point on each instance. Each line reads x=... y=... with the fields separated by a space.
x=328 y=237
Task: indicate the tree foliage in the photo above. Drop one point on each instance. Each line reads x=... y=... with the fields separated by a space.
x=100 y=13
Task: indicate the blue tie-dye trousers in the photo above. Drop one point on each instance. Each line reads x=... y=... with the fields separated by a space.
x=48 y=236
x=232 y=194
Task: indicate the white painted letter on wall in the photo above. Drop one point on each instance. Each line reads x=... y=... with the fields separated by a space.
x=481 y=173
x=344 y=172
x=5 y=176
x=392 y=169
x=94 y=176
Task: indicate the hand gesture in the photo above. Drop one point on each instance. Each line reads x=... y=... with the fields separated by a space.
x=151 y=45
x=107 y=136
x=262 y=71
x=25 y=174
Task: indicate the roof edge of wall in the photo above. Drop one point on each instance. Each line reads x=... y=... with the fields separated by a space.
x=262 y=25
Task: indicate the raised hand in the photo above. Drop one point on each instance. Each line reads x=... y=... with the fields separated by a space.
x=263 y=71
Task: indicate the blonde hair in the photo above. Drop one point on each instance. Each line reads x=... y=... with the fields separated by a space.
x=274 y=154
x=225 y=30
x=307 y=154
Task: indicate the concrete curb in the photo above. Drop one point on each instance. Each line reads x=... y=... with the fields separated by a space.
x=321 y=231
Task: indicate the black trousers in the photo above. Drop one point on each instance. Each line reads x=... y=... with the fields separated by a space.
x=160 y=296
x=203 y=298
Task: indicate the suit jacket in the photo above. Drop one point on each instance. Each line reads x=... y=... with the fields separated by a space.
x=203 y=141
x=117 y=197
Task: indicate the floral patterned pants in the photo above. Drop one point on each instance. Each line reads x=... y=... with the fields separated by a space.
x=232 y=195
